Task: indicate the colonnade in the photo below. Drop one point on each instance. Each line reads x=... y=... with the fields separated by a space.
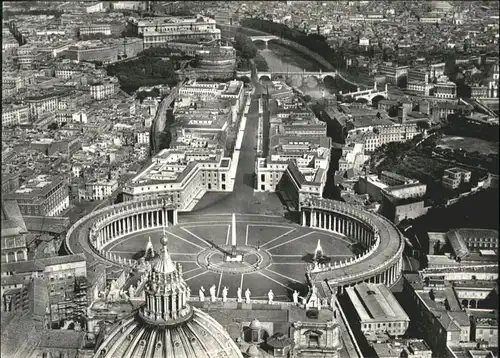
x=111 y=228
x=375 y=266
x=389 y=276
x=340 y=224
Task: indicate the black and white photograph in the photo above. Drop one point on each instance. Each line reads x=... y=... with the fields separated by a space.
x=250 y=179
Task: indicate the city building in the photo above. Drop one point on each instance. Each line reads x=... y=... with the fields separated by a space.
x=184 y=176
x=437 y=314
x=370 y=127
x=376 y=310
x=159 y=31
x=444 y=88
x=91 y=51
x=15 y=115
x=454 y=177
x=42 y=104
x=298 y=158
x=392 y=72
x=410 y=348
x=92 y=29
x=42 y=195
x=418 y=81
x=104 y=88
x=100 y=189
x=10 y=181
x=14 y=233
x=484 y=326
x=397 y=208
x=463 y=242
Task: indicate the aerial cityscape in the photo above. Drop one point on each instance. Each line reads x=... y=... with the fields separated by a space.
x=232 y=179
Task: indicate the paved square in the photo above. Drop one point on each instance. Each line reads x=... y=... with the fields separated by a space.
x=281 y=247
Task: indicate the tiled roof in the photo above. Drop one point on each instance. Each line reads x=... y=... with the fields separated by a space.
x=297 y=175
x=62 y=339
x=39 y=297
x=40 y=264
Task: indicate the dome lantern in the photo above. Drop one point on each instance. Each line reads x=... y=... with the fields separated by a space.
x=167 y=293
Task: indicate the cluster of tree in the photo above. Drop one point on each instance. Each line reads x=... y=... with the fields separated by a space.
x=165 y=138
x=99 y=36
x=8 y=13
x=245 y=79
x=160 y=52
x=458 y=125
x=243 y=64
x=478 y=211
x=141 y=95
x=244 y=46
x=143 y=71
x=261 y=63
x=314 y=42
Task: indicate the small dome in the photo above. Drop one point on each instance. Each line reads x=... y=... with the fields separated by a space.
x=253 y=351
x=255 y=324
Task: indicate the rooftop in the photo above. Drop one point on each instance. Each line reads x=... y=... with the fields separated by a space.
x=374 y=302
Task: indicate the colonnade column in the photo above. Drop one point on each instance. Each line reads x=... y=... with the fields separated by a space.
x=303 y=218
x=142 y=220
x=175 y=217
x=329 y=221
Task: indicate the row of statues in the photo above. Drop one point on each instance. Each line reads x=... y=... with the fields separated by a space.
x=248 y=293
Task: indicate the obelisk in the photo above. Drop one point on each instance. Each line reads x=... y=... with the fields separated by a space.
x=233 y=233
x=234 y=256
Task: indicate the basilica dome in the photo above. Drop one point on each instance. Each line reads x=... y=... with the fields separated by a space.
x=167 y=326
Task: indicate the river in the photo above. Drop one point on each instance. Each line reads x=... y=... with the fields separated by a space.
x=283 y=59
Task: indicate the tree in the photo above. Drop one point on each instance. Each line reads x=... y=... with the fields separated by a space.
x=244 y=46
x=245 y=79
x=307 y=98
x=450 y=66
